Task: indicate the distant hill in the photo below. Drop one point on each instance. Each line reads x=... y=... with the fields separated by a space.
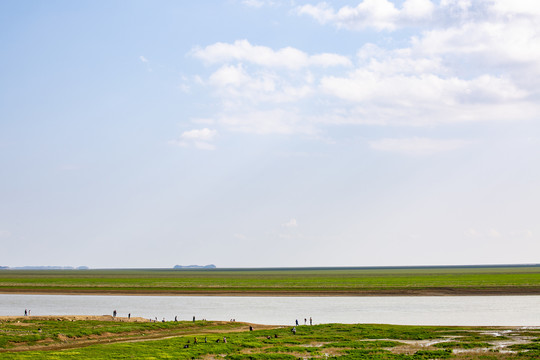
x=211 y=266
x=44 y=268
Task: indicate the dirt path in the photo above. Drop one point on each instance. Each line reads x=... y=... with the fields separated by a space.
x=108 y=338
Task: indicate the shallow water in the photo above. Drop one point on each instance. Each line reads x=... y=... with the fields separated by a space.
x=411 y=310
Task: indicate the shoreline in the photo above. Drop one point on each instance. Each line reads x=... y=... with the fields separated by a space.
x=368 y=293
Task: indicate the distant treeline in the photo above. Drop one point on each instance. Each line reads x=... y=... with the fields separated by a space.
x=44 y=268
x=210 y=266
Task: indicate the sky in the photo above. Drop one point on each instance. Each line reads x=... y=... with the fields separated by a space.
x=268 y=133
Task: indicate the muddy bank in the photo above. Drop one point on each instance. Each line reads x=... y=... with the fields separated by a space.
x=442 y=291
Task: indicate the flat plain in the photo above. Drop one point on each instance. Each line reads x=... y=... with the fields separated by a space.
x=520 y=280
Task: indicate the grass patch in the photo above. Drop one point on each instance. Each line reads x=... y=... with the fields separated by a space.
x=332 y=341
x=307 y=281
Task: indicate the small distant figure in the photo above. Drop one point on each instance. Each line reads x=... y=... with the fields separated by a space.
x=129 y=316
x=29 y=312
x=296 y=322
x=305 y=321
x=195 y=341
x=193 y=318
x=205 y=340
x=224 y=340
x=114 y=313
x=25 y=312
x=294 y=330
x=217 y=340
x=176 y=318
x=163 y=320
x=275 y=335
x=186 y=346
x=310 y=321
x=268 y=337
x=250 y=328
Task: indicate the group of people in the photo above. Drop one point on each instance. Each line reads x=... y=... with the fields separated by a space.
x=293 y=330
x=26 y=312
x=305 y=321
x=195 y=341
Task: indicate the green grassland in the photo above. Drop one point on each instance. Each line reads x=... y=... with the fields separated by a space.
x=402 y=281
x=25 y=338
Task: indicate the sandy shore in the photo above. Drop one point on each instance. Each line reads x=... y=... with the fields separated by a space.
x=74 y=318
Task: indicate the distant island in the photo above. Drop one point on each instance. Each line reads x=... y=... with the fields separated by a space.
x=211 y=266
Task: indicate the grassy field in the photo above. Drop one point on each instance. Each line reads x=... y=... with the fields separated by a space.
x=27 y=338
x=404 y=281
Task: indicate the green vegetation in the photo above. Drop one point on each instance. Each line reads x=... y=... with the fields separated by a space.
x=467 y=280
x=50 y=339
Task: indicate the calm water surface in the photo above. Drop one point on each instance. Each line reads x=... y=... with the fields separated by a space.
x=419 y=310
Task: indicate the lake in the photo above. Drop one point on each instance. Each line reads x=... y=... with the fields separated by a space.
x=410 y=310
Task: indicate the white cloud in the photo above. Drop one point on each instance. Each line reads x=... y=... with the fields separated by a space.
x=509 y=46
x=494 y=233
x=198 y=138
x=377 y=14
x=143 y=59
x=240 y=236
x=418 y=9
x=288 y=57
x=199 y=134
x=472 y=233
x=471 y=62
x=236 y=86
x=417 y=146
x=260 y=3
x=292 y=223
x=253 y=3
x=229 y=75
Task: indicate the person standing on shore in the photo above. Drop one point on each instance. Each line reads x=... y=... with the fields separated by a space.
x=310 y=321
x=25 y=312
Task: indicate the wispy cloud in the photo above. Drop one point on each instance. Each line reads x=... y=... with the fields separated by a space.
x=292 y=223
x=198 y=138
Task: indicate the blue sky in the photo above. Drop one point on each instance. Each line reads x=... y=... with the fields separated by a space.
x=269 y=133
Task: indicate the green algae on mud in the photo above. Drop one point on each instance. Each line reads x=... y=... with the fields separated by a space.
x=502 y=280
x=171 y=340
